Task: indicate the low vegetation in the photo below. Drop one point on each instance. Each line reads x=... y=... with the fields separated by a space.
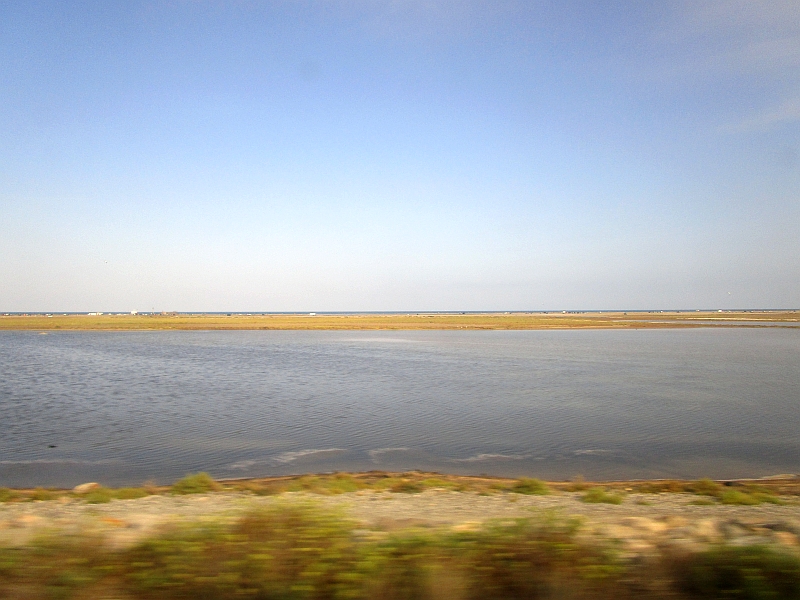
x=295 y=551
x=747 y=498
x=740 y=572
x=198 y=483
x=703 y=487
x=532 y=487
x=712 y=492
x=7 y=495
x=43 y=494
x=598 y=495
x=340 y=483
x=707 y=492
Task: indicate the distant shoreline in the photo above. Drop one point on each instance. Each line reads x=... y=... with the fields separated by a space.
x=401 y=321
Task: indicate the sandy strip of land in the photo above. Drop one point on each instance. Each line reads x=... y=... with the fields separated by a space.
x=401 y=321
x=642 y=524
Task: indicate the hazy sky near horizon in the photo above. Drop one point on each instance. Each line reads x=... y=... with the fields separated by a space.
x=399 y=155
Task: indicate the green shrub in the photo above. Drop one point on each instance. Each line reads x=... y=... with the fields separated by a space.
x=285 y=552
x=768 y=497
x=342 y=483
x=130 y=493
x=746 y=573
x=526 y=485
x=737 y=497
x=99 y=495
x=308 y=483
x=704 y=487
x=54 y=567
x=198 y=483
x=600 y=496
x=532 y=558
x=763 y=494
x=402 y=568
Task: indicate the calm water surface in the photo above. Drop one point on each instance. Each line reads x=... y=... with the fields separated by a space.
x=125 y=407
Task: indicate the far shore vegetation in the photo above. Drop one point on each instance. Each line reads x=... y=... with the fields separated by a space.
x=399 y=321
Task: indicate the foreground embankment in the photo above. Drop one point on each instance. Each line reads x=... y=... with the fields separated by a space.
x=401 y=321
x=411 y=535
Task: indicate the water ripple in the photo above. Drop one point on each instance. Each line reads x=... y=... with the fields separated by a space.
x=691 y=403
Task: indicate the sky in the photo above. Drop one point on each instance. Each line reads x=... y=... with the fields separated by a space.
x=399 y=155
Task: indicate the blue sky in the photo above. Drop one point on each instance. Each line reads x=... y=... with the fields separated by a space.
x=399 y=155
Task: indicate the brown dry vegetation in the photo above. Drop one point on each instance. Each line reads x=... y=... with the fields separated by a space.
x=414 y=481
x=418 y=481
x=405 y=321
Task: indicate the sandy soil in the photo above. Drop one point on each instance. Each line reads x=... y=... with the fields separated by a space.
x=643 y=523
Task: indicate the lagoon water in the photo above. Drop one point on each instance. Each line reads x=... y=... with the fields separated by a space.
x=125 y=407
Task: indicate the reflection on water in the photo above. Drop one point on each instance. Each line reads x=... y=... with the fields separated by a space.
x=122 y=407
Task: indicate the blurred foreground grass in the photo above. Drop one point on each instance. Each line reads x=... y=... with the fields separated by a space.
x=298 y=551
